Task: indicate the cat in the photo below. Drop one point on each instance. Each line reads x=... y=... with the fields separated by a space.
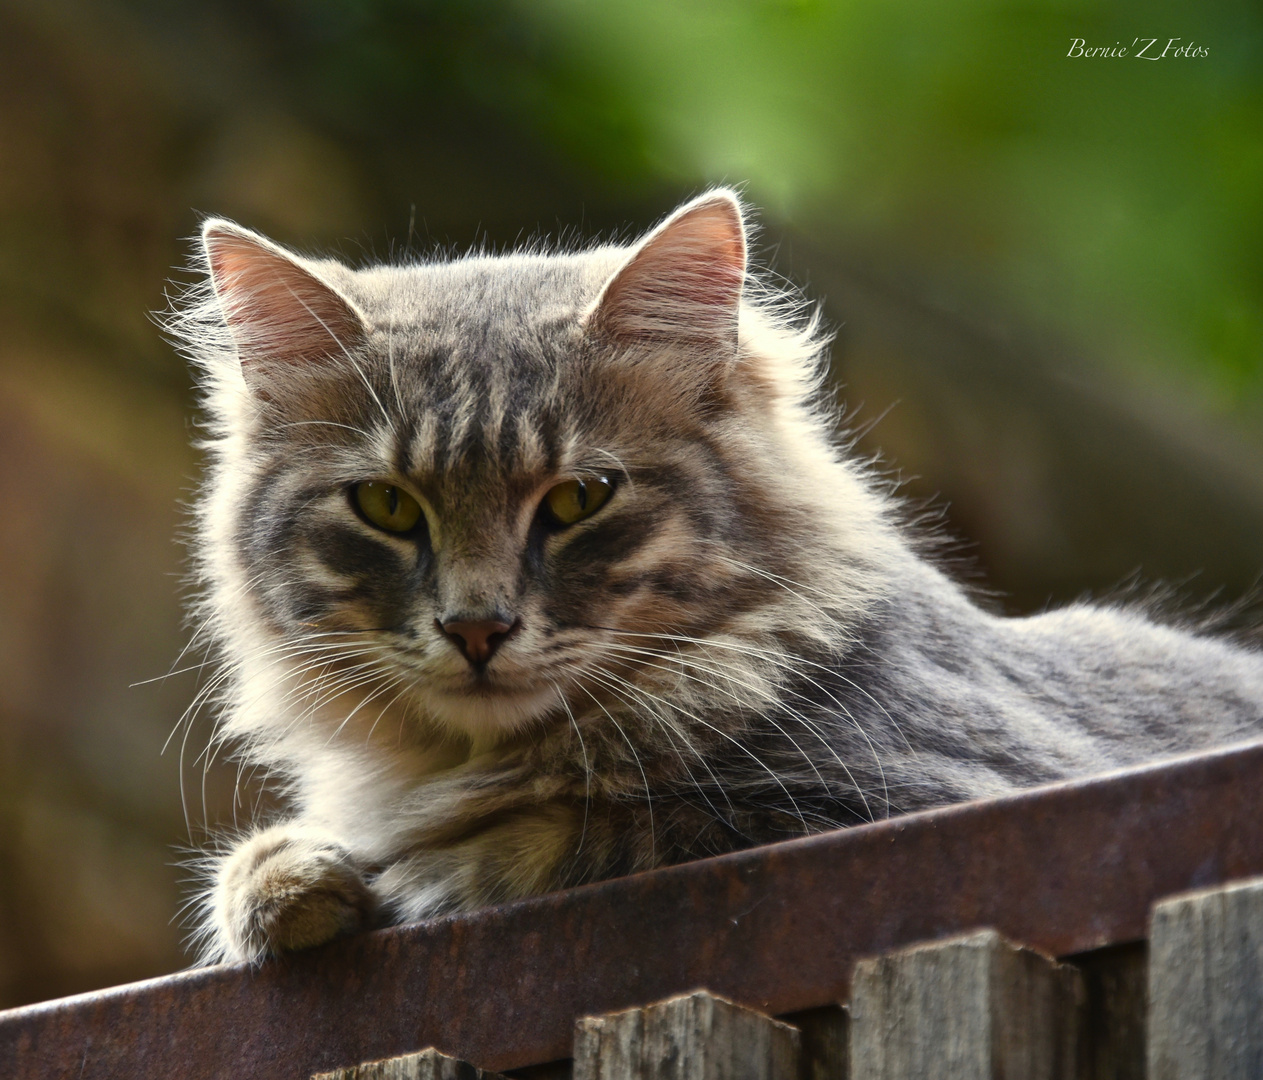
x=537 y=569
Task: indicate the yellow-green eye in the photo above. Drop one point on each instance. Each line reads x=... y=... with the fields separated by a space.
x=576 y=499
x=388 y=507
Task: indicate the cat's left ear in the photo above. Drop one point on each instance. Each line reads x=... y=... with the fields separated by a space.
x=280 y=312
x=683 y=282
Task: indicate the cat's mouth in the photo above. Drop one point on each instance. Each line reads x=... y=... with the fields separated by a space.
x=483 y=687
x=484 y=706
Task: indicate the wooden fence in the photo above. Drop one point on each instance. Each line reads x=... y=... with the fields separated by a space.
x=974 y=1007
x=920 y=946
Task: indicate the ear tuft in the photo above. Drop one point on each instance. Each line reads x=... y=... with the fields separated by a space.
x=683 y=283
x=277 y=309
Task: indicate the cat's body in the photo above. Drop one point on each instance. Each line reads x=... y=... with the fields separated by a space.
x=646 y=609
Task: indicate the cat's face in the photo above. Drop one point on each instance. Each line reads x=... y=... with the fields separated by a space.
x=508 y=480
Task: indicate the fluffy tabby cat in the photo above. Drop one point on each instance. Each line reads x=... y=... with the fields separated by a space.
x=537 y=569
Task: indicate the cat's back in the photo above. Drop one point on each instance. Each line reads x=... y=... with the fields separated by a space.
x=1061 y=693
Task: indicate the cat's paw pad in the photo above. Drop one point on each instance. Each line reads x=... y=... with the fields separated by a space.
x=285 y=889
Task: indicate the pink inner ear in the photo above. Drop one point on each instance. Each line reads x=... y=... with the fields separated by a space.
x=685 y=281
x=276 y=309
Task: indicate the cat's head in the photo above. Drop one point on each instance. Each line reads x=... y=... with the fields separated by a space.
x=518 y=483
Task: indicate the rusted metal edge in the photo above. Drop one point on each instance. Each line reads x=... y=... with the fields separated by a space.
x=1066 y=868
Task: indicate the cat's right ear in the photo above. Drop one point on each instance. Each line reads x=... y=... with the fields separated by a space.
x=279 y=312
x=683 y=282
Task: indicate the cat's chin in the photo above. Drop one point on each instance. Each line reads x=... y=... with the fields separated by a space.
x=491 y=712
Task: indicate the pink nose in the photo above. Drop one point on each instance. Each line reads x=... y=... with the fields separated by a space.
x=477 y=639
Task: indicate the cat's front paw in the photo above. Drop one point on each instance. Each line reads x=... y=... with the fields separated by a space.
x=286 y=888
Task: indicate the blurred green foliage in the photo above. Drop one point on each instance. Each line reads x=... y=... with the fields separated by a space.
x=1103 y=196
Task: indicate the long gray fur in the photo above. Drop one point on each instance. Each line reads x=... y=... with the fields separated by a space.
x=745 y=643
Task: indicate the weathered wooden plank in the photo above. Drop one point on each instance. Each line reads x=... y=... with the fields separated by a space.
x=692 y=1037
x=1206 y=985
x=1113 y=1038
x=428 y=1064
x=969 y=1008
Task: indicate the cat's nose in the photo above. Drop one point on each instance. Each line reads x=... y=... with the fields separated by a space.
x=478 y=639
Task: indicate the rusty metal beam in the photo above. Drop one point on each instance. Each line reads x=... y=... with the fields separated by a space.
x=1066 y=868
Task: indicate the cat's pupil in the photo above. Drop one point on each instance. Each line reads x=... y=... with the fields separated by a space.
x=581 y=496
x=394 y=500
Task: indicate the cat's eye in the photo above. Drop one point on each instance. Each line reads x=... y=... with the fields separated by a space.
x=387 y=506
x=573 y=500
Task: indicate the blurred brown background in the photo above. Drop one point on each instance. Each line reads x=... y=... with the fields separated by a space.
x=1046 y=274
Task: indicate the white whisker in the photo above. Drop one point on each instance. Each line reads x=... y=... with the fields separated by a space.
x=587 y=768
x=653 y=843
x=789 y=663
